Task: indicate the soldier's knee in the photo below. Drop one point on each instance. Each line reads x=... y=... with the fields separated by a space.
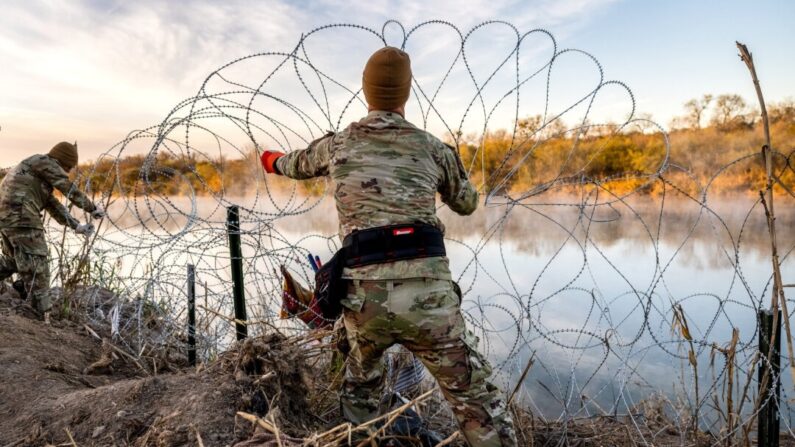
x=35 y=267
x=468 y=372
x=8 y=266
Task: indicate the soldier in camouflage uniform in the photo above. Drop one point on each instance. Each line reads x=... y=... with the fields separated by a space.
x=25 y=192
x=387 y=171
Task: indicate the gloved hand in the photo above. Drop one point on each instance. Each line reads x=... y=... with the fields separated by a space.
x=268 y=160
x=86 y=229
x=98 y=213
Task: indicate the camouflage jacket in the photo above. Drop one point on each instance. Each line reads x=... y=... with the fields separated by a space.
x=27 y=190
x=387 y=171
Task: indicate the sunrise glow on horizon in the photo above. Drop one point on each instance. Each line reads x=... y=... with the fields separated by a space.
x=93 y=71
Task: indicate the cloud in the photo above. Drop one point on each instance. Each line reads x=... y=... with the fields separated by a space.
x=78 y=65
x=101 y=68
x=522 y=13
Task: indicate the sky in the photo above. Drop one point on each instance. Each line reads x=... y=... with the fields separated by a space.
x=93 y=71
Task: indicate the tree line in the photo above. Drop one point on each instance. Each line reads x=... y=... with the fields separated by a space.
x=712 y=132
x=698 y=150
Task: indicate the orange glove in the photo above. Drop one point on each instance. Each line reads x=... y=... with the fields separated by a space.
x=268 y=160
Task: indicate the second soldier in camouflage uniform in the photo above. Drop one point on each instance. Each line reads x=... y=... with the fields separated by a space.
x=25 y=192
x=387 y=172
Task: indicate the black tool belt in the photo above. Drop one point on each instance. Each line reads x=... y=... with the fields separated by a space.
x=392 y=243
x=373 y=246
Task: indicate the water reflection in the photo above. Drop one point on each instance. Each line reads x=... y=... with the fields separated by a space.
x=590 y=292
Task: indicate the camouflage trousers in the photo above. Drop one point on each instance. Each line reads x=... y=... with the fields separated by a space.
x=25 y=253
x=424 y=316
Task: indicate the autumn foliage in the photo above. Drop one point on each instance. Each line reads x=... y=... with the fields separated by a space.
x=720 y=153
x=700 y=151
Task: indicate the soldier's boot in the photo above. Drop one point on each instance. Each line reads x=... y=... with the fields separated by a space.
x=19 y=286
x=410 y=427
x=41 y=302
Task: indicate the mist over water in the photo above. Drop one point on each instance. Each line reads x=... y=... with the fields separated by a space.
x=589 y=292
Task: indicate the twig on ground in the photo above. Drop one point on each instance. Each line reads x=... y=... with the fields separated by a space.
x=449 y=440
x=71 y=439
x=256 y=420
x=198 y=436
x=393 y=415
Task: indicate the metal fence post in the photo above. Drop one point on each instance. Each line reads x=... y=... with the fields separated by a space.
x=236 y=258
x=191 y=315
x=768 y=422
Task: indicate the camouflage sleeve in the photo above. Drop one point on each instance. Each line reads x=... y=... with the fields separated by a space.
x=52 y=173
x=58 y=211
x=456 y=190
x=307 y=163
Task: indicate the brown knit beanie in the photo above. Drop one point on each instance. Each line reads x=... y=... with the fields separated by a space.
x=386 y=80
x=66 y=154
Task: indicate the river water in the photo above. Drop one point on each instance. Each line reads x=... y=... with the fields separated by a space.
x=588 y=292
